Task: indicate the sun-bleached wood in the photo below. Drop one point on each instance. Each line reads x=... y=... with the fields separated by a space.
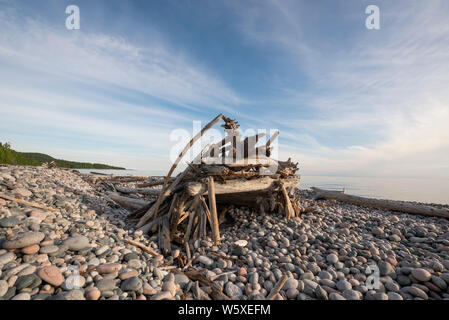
x=391 y=205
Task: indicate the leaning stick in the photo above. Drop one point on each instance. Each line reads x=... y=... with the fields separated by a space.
x=27 y=203
x=164 y=194
x=142 y=246
x=277 y=288
x=274 y=136
x=213 y=210
x=289 y=212
x=181 y=155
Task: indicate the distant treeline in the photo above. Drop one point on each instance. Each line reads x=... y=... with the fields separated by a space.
x=10 y=156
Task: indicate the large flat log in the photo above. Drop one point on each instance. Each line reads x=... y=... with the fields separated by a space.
x=262 y=184
x=391 y=205
x=126 y=202
x=146 y=191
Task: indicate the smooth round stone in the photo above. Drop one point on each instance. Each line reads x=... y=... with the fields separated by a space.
x=381 y=296
x=31 y=249
x=92 y=293
x=290 y=284
x=94 y=262
x=350 y=294
x=181 y=280
x=105 y=285
x=169 y=286
x=403 y=280
x=22 y=296
x=417 y=292
x=439 y=282
x=130 y=256
x=205 y=260
x=74 y=295
x=343 y=285
x=25 y=281
x=148 y=290
x=320 y=293
x=391 y=286
x=40 y=296
x=135 y=264
x=101 y=250
x=241 y=243
x=239 y=251
x=385 y=268
x=421 y=274
x=332 y=258
x=292 y=293
x=336 y=296
x=108 y=268
x=74 y=282
x=128 y=274
x=131 y=284
x=23 y=240
x=163 y=295
x=3 y=287
x=323 y=274
x=77 y=243
x=394 y=296
x=9 y=222
x=28 y=270
x=7 y=258
x=39 y=215
x=23 y=192
x=49 y=249
x=51 y=275
x=232 y=290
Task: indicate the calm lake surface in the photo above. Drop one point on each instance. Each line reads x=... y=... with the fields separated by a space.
x=407 y=189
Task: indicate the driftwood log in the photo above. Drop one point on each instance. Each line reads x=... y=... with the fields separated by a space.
x=126 y=202
x=391 y=205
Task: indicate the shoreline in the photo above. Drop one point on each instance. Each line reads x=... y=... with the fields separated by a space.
x=324 y=255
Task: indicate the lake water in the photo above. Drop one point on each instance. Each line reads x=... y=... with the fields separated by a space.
x=407 y=189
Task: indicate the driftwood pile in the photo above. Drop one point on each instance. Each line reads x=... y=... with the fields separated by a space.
x=234 y=171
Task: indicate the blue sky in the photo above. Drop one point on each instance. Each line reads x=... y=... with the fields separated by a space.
x=347 y=100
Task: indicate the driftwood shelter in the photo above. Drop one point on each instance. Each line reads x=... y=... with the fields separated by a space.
x=234 y=171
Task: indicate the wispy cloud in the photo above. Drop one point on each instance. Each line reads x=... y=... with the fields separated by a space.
x=377 y=106
x=97 y=88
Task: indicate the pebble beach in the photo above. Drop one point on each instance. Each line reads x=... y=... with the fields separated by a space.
x=79 y=250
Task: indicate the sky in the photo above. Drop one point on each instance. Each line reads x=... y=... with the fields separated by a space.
x=348 y=101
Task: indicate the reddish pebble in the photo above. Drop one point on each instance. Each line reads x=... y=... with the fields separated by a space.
x=38 y=215
x=128 y=274
x=31 y=249
x=109 y=268
x=92 y=293
x=148 y=290
x=391 y=261
x=421 y=274
x=51 y=275
x=242 y=272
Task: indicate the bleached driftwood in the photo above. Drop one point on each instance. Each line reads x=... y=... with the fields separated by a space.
x=240 y=185
x=126 y=202
x=392 y=205
x=145 y=191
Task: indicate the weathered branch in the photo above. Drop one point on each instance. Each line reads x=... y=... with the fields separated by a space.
x=392 y=205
